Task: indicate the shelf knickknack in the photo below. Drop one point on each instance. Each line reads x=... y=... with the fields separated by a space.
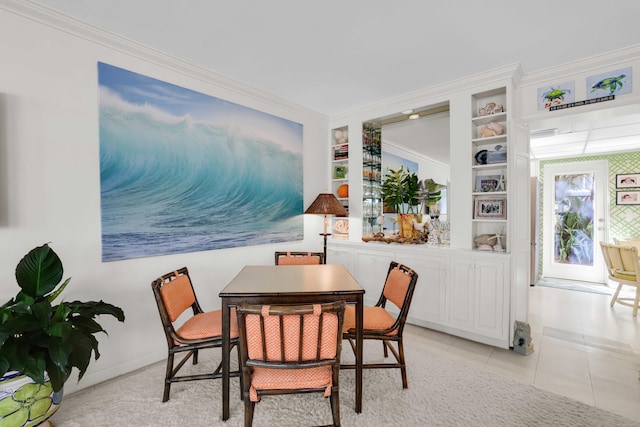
x=400 y=191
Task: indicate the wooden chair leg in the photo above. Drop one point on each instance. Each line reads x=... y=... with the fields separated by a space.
x=384 y=348
x=241 y=377
x=615 y=295
x=167 y=378
x=335 y=405
x=403 y=365
x=249 y=406
x=195 y=357
x=636 y=301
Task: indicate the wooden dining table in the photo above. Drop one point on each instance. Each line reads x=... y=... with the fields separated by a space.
x=290 y=284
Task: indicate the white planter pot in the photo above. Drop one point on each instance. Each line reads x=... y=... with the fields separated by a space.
x=25 y=403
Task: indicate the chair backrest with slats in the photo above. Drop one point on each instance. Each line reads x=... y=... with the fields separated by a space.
x=622 y=262
x=634 y=242
x=299 y=258
x=604 y=247
x=279 y=336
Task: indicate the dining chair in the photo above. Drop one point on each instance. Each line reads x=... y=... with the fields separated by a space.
x=174 y=295
x=381 y=324
x=290 y=349
x=623 y=266
x=299 y=258
x=633 y=241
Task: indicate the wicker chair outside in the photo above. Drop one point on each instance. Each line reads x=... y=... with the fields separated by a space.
x=623 y=266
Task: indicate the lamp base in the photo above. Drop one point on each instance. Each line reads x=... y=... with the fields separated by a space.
x=325 y=245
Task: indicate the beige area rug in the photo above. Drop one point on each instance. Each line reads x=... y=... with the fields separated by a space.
x=441 y=392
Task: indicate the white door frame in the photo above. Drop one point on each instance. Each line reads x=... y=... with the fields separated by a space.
x=595 y=273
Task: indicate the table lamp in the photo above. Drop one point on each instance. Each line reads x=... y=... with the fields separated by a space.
x=326 y=204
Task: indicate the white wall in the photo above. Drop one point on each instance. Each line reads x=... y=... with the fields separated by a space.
x=49 y=177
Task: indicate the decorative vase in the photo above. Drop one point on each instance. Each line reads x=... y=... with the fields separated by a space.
x=24 y=402
x=405 y=225
x=343 y=191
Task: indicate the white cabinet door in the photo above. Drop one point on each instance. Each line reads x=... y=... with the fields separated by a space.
x=429 y=302
x=490 y=299
x=462 y=293
x=341 y=256
x=478 y=297
x=371 y=273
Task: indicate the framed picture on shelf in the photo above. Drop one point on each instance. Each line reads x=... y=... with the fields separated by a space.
x=491 y=208
x=627 y=180
x=339 y=172
x=489 y=183
x=628 y=197
x=497 y=155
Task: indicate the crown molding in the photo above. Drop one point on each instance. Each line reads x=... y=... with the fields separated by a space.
x=442 y=92
x=608 y=60
x=91 y=33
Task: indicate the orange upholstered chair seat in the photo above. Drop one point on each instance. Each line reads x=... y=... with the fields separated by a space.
x=207 y=325
x=290 y=379
x=375 y=318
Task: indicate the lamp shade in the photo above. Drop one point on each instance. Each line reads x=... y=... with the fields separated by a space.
x=326 y=204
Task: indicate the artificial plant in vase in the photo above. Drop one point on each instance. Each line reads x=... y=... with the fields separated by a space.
x=42 y=340
x=400 y=190
x=430 y=194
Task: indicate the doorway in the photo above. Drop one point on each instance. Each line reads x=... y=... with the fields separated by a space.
x=600 y=132
x=575 y=202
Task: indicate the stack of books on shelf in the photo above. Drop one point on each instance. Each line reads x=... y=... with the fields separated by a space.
x=341 y=152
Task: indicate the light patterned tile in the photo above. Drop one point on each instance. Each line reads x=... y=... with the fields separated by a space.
x=472 y=353
x=513 y=365
x=616 y=397
x=614 y=367
x=575 y=387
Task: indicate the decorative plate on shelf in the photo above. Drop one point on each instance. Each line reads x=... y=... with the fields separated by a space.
x=481 y=157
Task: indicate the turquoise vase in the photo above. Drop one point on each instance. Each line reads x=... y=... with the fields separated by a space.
x=24 y=402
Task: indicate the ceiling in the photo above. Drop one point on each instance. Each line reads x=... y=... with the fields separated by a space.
x=336 y=55
x=586 y=135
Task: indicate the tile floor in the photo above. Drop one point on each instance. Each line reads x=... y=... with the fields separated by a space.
x=584 y=349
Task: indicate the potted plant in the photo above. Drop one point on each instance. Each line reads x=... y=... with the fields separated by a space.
x=41 y=342
x=400 y=190
x=430 y=194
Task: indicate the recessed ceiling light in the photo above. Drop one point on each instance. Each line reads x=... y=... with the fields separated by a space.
x=414 y=116
x=407 y=112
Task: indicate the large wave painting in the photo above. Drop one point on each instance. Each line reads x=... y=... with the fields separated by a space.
x=181 y=171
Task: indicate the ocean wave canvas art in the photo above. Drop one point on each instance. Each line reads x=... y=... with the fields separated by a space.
x=182 y=171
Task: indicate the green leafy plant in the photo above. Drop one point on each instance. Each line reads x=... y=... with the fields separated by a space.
x=574 y=237
x=430 y=192
x=38 y=337
x=574 y=220
x=400 y=190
